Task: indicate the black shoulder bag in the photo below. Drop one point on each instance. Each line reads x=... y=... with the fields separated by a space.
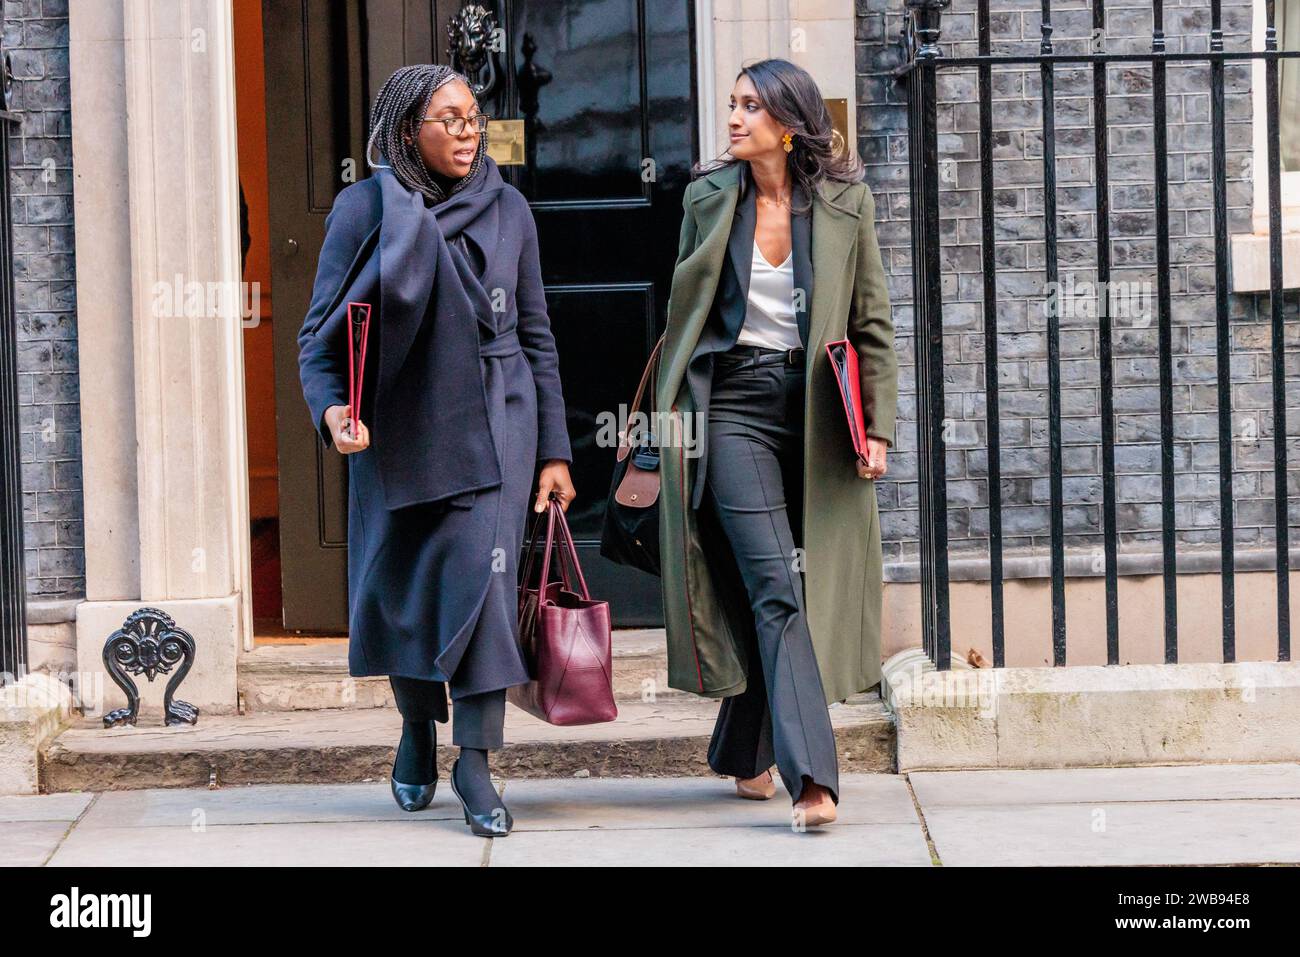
x=630 y=535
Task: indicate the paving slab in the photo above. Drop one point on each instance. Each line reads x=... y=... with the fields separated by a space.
x=1176 y=814
x=30 y=843
x=609 y=803
x=684 y=820
x=857 y=845
x=43 y=807
x=1208 y=815
x=1117 y=834
x=429 y=841
x=260 y=804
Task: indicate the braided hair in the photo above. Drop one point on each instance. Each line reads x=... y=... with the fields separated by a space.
x=399 y=107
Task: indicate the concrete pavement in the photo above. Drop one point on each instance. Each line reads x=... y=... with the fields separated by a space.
x=1207 y=814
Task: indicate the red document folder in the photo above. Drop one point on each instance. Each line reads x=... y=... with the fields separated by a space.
x=844 y=360
x=359 y=335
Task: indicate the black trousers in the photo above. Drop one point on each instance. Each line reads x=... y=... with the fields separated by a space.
x=478 y=720
x=754 y=482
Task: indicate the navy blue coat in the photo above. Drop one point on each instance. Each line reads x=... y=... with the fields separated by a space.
x=436 y=513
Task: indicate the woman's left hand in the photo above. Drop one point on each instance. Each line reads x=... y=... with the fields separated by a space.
x=554 y=478
x=875 y=466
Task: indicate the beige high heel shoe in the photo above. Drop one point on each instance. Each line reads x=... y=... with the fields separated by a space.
x=814 y=807
x=756 y=789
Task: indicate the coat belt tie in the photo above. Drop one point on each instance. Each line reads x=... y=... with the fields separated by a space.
x=506 y=344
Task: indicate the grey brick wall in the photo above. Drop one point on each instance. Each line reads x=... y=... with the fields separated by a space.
x=40 y=154
x=1020 y=256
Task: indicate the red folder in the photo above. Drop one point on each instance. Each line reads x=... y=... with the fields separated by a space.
x=844 y=360
x=359 y=329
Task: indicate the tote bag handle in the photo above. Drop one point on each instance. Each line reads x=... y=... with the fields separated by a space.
x=565 y=539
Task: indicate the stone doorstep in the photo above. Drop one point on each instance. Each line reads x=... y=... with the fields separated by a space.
x=666 y=738
x=314 y=675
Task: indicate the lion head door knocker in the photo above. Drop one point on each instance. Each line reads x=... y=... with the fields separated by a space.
x=149 y=643
x=473 y=41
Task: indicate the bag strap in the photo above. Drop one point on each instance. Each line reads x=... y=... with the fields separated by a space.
x=571 y=550
x=623 y=443
x=532 y=549
x=553 y=512
x=566 y=548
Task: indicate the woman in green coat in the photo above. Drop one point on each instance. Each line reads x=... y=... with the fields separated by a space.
x=769 y=529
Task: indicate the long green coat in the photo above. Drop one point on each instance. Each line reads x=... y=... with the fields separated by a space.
x=706 y=611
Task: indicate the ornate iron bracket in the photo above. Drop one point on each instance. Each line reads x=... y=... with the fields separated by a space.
x=469 y=35
x=149 y=643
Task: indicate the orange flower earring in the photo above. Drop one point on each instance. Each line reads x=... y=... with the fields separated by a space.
x=788 y=140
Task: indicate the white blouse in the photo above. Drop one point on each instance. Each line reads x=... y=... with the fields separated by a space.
x=769 y=312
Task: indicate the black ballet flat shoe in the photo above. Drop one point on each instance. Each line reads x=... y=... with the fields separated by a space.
x=484 y=825
x=413 y=797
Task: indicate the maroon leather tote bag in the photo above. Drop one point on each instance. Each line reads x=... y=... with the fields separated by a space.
x=565 y=635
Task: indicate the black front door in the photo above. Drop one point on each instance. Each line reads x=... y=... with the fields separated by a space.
x=605 y=93
x=605 y=89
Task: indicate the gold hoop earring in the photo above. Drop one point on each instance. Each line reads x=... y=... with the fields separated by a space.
x=788 y=141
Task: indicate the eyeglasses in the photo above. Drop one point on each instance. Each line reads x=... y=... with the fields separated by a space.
x=456 y=124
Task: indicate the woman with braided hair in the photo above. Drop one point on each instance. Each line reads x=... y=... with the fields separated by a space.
x=461 y=407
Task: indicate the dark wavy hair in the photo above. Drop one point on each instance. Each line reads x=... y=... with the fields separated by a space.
x=790 y=94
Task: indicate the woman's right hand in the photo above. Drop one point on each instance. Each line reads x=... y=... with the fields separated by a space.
x=339 y=419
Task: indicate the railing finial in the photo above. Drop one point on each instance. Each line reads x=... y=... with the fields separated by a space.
x=924 y=38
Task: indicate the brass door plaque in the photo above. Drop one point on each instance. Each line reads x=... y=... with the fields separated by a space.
x=839 y=111
x=506 y=142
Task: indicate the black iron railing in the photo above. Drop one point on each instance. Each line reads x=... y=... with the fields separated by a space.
x=13 y=589
x=920 y=74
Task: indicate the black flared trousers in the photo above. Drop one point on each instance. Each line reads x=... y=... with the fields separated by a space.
x=754 y=483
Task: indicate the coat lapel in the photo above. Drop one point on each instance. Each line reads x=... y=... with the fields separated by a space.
x=740 y=246
x=483 y=232
x=714 y=213
x=801 y=243
x=695 y=281
x=834 y=238
x=403 y=292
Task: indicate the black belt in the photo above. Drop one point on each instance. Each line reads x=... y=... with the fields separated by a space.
x=759 y=356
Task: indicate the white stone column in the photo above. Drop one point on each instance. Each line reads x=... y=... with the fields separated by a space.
x=101 y=196
x=186 y=428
